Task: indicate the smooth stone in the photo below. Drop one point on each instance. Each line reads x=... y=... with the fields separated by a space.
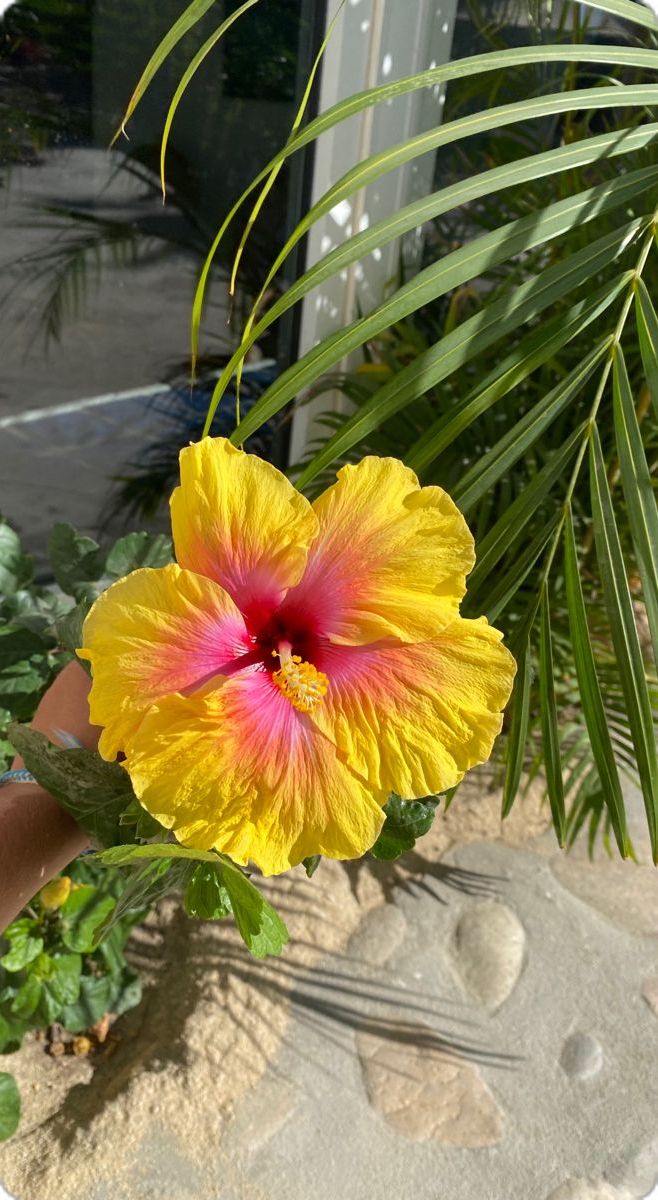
x=424 y=1092
x=650 y=993
x=582 y=1056
x=378 y=935
x=489 y=952
x=638 y=1173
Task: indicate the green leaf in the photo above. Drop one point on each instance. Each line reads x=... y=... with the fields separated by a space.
x=18 y=645
x=77 y=562
x=260 y=926
x=93 y=1002
x=518 y=735
x=468 y=262
x=533 y=351
x=137 y=550
x=128 y=992
x=24 y=942
x=123 y=856
x=94 y=792
x=15 y=567
x=145 y=885
x=453 y=351
x=625 y=637
x=27 y=997
x=647 y=330
x=141 y=822
x=638 y=490
x=406 y=820
x=187 y=77
x=549 y=723
x=490 y=467
x=205 y=896
x=311 y=864
x=10 y=1106
x=61 y=988
x=590 y=692
x=513 y=521
x=83 y=913
x=500 y=594
x=188 y=19
x=68 y=630
x=428 y=208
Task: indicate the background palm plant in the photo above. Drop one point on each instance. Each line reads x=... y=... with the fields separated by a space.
x=519 y=368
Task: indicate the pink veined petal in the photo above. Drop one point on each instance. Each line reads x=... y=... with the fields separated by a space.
x=239 y=521
x=153 y=633
x=239 y=768
x=390 y=559
x=413 y=719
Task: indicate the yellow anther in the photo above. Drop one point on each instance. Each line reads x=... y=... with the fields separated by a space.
x=301 y=682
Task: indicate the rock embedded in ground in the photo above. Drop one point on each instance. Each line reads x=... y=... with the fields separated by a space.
x=582 y=1056
x=378 y=935
x=489 y=951
x=423 y=1091
x=637 y=1172
x=650 y=993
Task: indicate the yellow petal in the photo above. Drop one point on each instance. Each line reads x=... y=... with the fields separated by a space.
x=390 y=558
x=155 y=632
x=239 y=521
x=242 y=770
x=414 y=719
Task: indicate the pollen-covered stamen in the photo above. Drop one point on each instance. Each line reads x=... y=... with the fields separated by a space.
x=302 y=684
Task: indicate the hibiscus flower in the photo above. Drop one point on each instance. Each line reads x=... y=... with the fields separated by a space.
x=299 y=663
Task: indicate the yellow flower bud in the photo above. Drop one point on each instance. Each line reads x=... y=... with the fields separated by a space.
x=55 y=893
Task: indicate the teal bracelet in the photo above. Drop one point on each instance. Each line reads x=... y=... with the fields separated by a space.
x=18 y=776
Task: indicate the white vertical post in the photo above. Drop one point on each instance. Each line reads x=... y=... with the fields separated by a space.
x=375 y=41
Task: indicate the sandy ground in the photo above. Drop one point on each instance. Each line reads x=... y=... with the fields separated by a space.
x=213 y=1019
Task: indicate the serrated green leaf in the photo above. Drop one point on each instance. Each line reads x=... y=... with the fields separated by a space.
x=92 y=1003
x=68 y=630
x=10 y=1106
x=77 y=562
x=94 y=792
x=311 y=864
x=61 y=988
x=625 y=637
x=260 y=926
x=135 y=551
x=406 y=820
x=18 y=645
x=590 y=693
x=15 y=567
x=27 y=997
x=549 y=723
x=25 y=944
x=205 y=896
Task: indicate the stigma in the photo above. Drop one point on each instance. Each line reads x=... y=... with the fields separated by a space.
x=301 y=683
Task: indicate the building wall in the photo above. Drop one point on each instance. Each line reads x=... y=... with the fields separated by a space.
x=375 y=41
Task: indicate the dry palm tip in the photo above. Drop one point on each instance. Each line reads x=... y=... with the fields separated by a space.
x=299 y=663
